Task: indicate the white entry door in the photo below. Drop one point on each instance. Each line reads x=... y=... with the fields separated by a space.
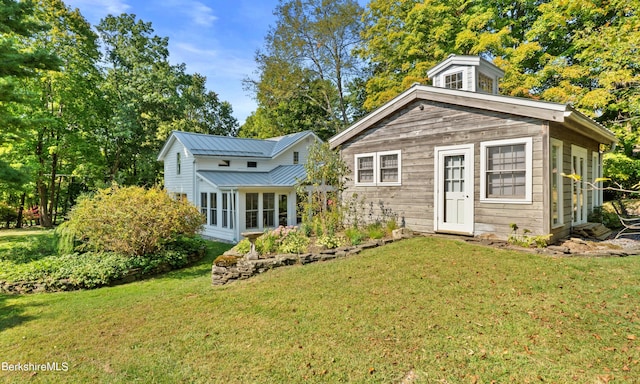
x=453 y=206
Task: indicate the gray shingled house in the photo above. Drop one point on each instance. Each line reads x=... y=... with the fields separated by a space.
x=239 y=184
x=456 y=157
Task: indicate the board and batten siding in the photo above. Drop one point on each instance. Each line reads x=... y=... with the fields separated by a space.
x=416 y=130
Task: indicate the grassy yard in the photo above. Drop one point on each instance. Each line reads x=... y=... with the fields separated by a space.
x=420 y=310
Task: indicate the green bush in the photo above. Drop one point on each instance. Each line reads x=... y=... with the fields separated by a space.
x=330 y=241
x=133 y=221
x=294 y=242
x=7 y=214
x=375 y=231
x=355 y=236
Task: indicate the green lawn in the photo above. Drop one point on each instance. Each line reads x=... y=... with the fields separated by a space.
x=431 y=309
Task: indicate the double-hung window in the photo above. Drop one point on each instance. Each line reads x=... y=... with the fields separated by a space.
x=378 y=168
x=251 y=210
x=213 y=220
x=506 y=171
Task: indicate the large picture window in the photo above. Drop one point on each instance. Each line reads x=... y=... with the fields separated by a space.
x=378 y=168
x=506 y=170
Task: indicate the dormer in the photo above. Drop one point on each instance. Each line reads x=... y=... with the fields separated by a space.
x=467 y=73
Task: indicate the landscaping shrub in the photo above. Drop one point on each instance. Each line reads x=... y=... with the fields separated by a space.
x=294 y=242
x=330 y=241
x=133 y=221
x=375 y=231
x=355 y=236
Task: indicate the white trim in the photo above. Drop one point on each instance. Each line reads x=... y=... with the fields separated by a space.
x=376 y=168
x=559 y=172
x=528 y=148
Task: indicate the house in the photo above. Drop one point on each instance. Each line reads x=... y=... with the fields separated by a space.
x=238 y=184
x=458 y=158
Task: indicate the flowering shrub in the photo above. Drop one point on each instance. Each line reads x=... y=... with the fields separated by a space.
x=330 y=241
x=133 y=221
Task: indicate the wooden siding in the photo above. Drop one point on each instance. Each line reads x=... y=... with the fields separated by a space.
x=569 y=138
x=416 y=130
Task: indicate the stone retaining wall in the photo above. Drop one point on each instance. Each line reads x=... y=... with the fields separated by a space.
x=244 y=269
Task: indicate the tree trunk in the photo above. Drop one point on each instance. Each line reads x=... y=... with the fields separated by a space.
x=21 y=211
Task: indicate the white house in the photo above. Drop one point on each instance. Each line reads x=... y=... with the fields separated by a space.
x=239 y=184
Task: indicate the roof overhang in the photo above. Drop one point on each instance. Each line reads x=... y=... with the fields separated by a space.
x=542 y=110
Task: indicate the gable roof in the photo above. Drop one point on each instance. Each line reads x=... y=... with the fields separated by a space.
x=212 y=145
x=560 y=113
x=281 y=176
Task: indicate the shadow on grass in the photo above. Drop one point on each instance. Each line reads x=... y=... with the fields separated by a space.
x=11 y=315
x=201 y=267
x=27 y=247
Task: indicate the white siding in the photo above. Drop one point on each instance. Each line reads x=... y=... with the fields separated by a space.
x=182 y=183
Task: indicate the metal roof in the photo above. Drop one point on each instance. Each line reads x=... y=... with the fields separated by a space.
x=212 y=145
x=281 y=176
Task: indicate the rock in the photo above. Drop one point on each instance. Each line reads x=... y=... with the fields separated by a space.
x=401 y=233
x=559 y=249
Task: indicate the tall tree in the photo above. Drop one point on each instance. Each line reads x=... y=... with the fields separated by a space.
x=60 y=111
x=308 y=57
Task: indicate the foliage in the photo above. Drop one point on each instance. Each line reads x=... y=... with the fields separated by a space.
x=131 y=220
x=295 y=241
x=375 y=231
x=525 y=239
x=92 y=269
x=326 y=175
x=7 y=214
x=557 y=50
x=306 y=67
x=355 y=235
x=621 y=169
x=330 y=241
x=605 y=216
x=243 y=247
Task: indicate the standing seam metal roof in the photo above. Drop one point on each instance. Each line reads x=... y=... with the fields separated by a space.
x=281 y=176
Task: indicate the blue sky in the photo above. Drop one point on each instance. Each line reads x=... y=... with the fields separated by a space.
x=216 y=38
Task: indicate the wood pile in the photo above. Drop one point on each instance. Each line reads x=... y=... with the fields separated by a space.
x=591 y=230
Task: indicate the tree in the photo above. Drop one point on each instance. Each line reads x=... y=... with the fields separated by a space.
x=308 y=59
x=60 y=101
x=201 y=111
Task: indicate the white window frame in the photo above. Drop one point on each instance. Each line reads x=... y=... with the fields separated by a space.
x=528 y=149
x=376 y=168
x=356 y=169
x=560 y=180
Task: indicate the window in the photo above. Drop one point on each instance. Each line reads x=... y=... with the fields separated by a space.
x=365 y=169
x=251 y=210
x=252 y=164
x=389 y=168
x=506 y=171
x=225 y=210
x=485 y=83
x=596 y=173
x=224 y=163
x=268 y=209
x=453 y=81
x=203 y=203
x=556 y=183
x=213 y=220
x=296 y=157
x=379 y=168
x=178 y=164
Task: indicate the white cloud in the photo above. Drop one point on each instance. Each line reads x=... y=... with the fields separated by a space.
x=99 y=8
